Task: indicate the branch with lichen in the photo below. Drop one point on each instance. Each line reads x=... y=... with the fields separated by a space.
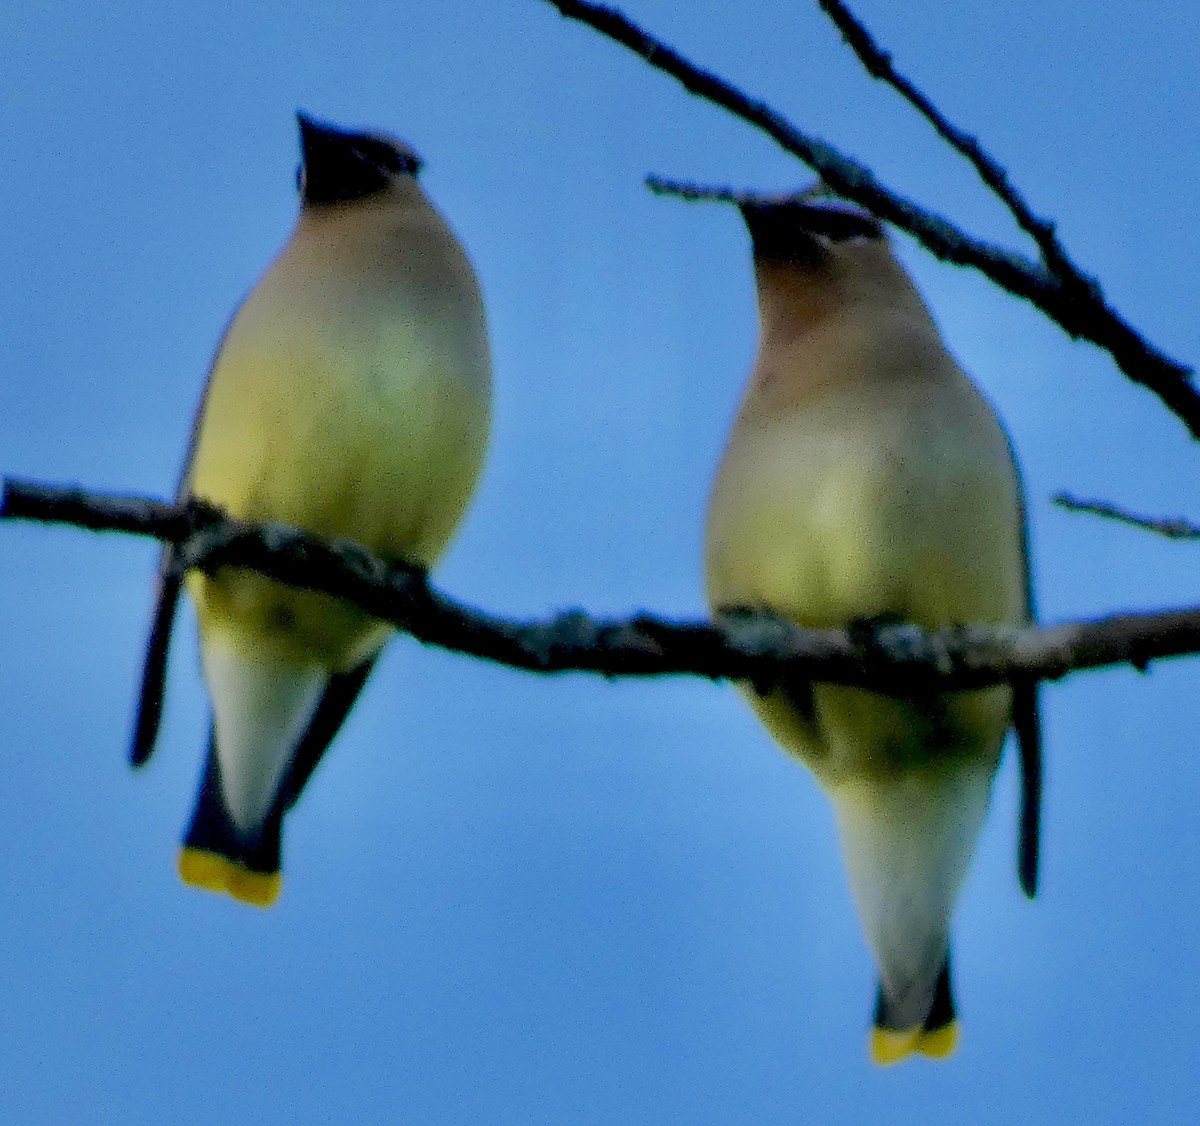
x=756 y=647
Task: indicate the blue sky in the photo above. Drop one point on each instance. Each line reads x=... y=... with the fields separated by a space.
x=516 y=900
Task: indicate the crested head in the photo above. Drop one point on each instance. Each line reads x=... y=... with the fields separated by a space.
x=342 y=165
x=815 y=257
x=803 y=231
x=818 y=262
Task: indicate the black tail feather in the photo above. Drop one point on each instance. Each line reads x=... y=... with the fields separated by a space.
x=212 y=829
x=941 y=1011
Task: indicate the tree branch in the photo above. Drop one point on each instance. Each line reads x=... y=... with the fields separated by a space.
x=1173 y=528
x=1073 y=301
x=878 y=64
x=705 y=193
x=750 y=646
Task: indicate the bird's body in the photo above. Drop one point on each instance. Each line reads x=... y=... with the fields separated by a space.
x=349 y=397
x=866 y=480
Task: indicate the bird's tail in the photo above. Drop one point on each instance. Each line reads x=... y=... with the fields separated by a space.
x=907 y=844
x=217 y=857
x=936 y=1036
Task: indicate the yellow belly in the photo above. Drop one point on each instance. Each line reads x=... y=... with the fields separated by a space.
x=372 y=439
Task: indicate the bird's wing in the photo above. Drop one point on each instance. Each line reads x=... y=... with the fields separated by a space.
x=170 y=582
x=154 y=670
x=339 y=697
x=1027 y=725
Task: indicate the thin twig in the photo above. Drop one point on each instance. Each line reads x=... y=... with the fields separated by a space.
x=699 y=193
x=705 y=193
x=878 y=63
x=1077 y=306
x=750 y=646
x=1175 y=528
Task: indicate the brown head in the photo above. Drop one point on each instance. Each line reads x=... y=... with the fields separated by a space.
x=816 y=258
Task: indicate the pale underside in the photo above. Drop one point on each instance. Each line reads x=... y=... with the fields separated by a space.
x=887 y=500
x=351 y=400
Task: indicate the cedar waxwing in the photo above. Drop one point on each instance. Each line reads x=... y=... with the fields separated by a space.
x=867 y=481
x=350 y=397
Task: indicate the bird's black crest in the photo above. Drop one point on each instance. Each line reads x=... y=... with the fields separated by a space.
x=796 y=230
x=339 y=165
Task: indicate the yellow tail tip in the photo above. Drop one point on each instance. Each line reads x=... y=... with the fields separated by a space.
x=941 y=1043
x=889 y=1046
x=213 y=872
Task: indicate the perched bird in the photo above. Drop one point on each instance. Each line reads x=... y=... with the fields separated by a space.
x=867 y=481
x=350 y=397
